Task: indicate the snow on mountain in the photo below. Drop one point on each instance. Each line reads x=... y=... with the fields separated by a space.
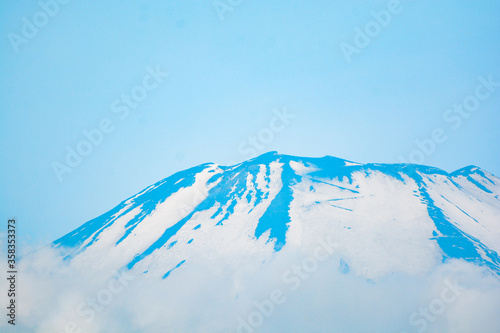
x=380 y=218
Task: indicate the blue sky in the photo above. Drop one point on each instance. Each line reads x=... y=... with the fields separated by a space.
x=229 y=74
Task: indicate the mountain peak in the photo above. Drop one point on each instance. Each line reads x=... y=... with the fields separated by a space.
x=468 y=170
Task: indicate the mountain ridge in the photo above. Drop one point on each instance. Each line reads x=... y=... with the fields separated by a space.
x=263 y=202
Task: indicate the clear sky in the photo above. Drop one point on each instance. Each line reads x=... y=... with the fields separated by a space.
x=360 y=80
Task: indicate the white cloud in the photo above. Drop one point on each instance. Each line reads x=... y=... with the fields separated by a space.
x=211 y=299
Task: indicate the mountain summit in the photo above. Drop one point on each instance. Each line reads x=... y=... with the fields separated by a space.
x=380 y=218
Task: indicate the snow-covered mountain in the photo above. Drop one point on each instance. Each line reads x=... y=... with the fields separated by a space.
x=379 y=218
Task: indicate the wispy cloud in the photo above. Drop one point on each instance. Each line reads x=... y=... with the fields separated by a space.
x=56 y=296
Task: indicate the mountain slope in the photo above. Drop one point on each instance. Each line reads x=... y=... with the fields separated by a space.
x=381 y=218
